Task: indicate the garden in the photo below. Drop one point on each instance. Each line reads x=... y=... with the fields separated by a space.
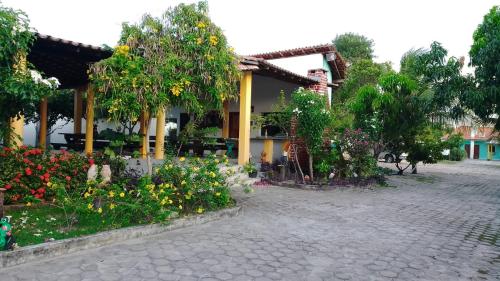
x=55 y=194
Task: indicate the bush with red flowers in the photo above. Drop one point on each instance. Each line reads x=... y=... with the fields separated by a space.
x=25 y=172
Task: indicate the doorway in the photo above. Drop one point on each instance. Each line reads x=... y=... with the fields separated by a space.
x=234 y=124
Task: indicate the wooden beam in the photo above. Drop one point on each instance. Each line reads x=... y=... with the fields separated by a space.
x=89 y=128
x=43 y=124
x=77 y=110
x=225 y=121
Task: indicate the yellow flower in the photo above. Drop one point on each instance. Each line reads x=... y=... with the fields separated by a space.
x=201 y=25
x=183 y=182
x=122 y=50
x=231 y=50
x=214 y=40
x=180 y=207
x=176 y=90
x=111 y=194
x=89 y=206
x=28 y=204
x=49 y=184
x=196 y=169
x=199 y=41
x=216 y=183
x=86 y=194
x=170 y=201
x=212 y=174
x=182 y=159
x=99 y=210
x=199 y=210
x=122 y=194
x=216 y=160
x=112 y=206
x=217 y=194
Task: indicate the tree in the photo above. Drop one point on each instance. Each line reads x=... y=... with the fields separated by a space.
x=180 y=59
x=395 y=114
x=439 y=80
x=21 y=87
x=484 y=99
x=354 y=47
x=361 y=73
x=312 y=117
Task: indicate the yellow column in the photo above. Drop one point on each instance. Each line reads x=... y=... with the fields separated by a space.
x=225 y=121
x=77 y=111
x=143 y=130
x=245 y=108
x=89 y=128
x=16 y=133
x=43 y=124
x=268 y=150
x=160 y=135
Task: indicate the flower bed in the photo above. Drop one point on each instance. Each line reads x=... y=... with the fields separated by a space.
x=177 y=187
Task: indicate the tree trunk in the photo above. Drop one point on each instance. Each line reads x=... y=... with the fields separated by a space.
x=413 y=168
x=311 y=167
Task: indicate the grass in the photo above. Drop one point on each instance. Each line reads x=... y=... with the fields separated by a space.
x=34 y=225
x=448 y=162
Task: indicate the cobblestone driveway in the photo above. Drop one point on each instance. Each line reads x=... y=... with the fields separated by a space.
x=443 y=224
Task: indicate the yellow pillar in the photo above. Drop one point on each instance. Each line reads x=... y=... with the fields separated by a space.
x=89 y=128
x=160 y=135
x=143 y=130
x=77 y=111
x=245 y=110
x=43 y=124
x=268 y=150
x=16 y=133
x=225 y=121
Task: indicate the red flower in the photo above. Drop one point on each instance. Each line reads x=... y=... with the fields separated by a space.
x=17 y=180
x=42 y=178
x=26 y=160
x=33 y=191
x=41 y=190
x=28 y=171
x=7 y=149
x=52 y=159
x=91 y=162
x=39 y=167
x=68 y=178
x=7 y=186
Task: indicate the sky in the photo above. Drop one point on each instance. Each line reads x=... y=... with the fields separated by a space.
x=259 y=26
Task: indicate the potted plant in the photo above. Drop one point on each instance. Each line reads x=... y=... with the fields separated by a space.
x=250 y=169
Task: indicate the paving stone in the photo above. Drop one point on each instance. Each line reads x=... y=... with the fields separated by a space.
x=438 y=225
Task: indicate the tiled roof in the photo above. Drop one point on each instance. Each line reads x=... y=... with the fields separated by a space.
x=304 y=51
x=67 y=60
x=337 y=65
x=482 y=133
x=261 y=66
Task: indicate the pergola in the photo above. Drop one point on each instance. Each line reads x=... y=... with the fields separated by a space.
x=69 y=62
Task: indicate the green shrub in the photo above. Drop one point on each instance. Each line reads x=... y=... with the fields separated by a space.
x=457 y=154
x=184 y=187
x=26 y=172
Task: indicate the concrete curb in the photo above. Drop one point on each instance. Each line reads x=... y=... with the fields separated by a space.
x=72 y=245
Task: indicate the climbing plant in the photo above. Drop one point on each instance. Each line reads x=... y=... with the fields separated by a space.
x=21 y=87
x=179 y=59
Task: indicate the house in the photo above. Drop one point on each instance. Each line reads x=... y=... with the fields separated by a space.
x=260 y=86
x=480 y=142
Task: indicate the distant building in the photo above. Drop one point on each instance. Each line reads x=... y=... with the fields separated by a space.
x=481 y=143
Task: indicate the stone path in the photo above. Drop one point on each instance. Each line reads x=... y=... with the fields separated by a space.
x=443 y=224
